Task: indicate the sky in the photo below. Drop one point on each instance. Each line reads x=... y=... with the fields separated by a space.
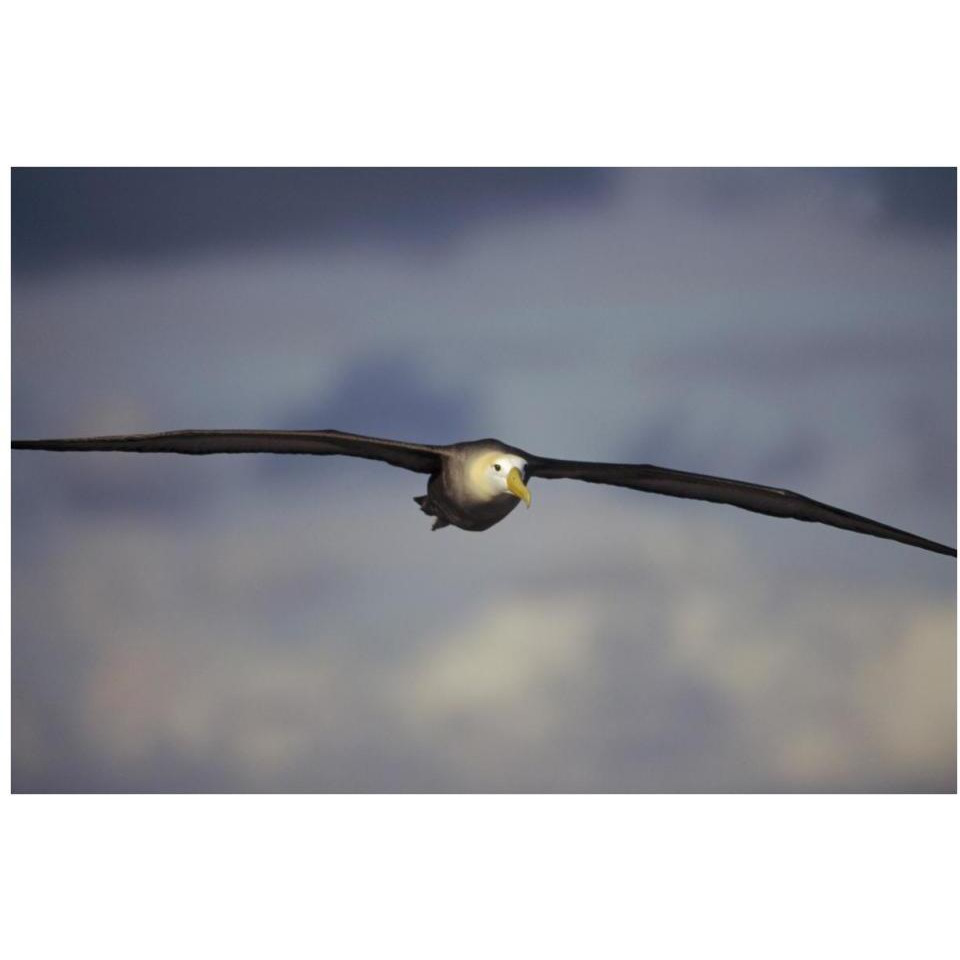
x=291 y=624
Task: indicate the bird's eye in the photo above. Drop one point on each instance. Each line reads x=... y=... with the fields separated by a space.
x=496 y=467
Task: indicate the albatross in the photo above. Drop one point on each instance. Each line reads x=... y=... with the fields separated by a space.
x=474 y=485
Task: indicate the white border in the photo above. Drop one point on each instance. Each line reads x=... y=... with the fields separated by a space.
x=424 y=83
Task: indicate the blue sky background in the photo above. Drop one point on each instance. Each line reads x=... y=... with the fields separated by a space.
x=291 y=624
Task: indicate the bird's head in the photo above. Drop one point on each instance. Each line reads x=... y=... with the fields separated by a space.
x=494 y=473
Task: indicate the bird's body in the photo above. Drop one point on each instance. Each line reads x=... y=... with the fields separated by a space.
x=459 y=496
x=476 y=484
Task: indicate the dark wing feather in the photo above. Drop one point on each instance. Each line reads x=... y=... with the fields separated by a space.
x=410 y=456
x=748 y=496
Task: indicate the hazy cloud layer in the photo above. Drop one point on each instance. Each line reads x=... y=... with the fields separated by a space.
x=237 y=623
x=65 y=215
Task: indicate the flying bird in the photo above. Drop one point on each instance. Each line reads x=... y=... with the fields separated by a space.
x=475 y=484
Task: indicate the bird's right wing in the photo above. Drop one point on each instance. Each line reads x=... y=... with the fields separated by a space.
x=410 y=456
x=748 y=496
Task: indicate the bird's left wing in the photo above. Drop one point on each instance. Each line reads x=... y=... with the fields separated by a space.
x=747 y=496
x=411 y=456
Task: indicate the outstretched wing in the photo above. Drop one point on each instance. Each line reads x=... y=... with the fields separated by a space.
x=411 y=456
x=747 y=496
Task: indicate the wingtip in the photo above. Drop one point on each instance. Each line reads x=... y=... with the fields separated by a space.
x=940 y=548
x=35 y=444
x=935 y=547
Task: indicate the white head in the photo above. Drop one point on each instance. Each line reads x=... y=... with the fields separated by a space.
x=495 y=474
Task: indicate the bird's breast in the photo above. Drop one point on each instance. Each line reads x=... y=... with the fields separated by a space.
x=463 y=508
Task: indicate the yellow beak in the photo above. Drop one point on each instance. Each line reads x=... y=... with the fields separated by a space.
x=517 y=487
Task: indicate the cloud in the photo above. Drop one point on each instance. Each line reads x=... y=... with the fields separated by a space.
x=392 y=396
x=508 y=657
x=679 y=663
x=63 y=215
x=920 y=198
x=197 y=624
x=887 y=199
